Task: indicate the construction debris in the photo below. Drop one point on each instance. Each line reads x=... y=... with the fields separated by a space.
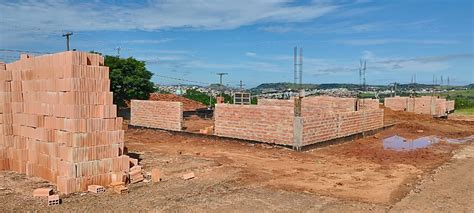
x=155 y=175
x=53 y=200
x=188 y=176
x=119 y=187
x=133 y=162
x=95 y=189
x=42 y=192
x=208 y=130
x=136 y=174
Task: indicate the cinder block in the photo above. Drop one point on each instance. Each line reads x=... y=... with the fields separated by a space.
x=53 y=200
x=188 y=176
x=42 y=192
x=95 y=189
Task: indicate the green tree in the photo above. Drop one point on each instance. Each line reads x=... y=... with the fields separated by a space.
x=129 y=79
x=199 y=96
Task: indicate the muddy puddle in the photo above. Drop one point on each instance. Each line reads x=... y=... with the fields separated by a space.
x=402 y=144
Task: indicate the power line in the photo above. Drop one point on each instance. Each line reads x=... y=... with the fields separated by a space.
x=23 y=51
x=181 y=79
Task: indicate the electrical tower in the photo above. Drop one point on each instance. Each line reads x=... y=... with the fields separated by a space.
x=241 y=85
x=220 y=77
x=298 y=67
x=67 y=35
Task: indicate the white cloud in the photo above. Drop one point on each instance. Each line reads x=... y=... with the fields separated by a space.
x=21 y=20
x=250 y=54
x=149 y=41
x=367 y=42
x=412 y=64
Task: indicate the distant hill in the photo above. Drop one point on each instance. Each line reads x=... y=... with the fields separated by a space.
x=216 y=86
x=283 y=85
x=287 y=85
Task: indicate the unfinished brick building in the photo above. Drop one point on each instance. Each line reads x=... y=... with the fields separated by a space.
x=58 y=121
x=428 y=105
x=322 y=118
x=274 y=121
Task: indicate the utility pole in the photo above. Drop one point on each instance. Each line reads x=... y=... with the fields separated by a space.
x=301 y=68
x=360 y=74
x=118 y=51
x=220 y=77
x=365 y=68
x=67 y=35
x=295 y=66
x=394 y=89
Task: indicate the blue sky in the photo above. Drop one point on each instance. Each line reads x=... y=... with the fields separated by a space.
x=253 y=40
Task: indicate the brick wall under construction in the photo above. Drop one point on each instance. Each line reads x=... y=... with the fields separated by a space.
x=157 y=114
x=58 y=121
x=327 y=126
x=274 y=121
x=427 y=105
x=270 y=124
x=313 y=104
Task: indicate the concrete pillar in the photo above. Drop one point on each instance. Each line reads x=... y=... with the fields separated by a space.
x=298 y=122
x=297 y=133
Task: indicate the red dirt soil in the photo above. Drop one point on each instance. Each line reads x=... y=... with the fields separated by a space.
x=188 y=104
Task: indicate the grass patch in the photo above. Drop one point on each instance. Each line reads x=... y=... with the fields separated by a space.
x=467 y=111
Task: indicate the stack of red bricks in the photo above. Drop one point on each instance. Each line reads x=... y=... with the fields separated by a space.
x=58 y=121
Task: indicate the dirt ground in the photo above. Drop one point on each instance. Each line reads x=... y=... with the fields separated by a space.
x=461 y=117
x=194 y=123
x=233 y=175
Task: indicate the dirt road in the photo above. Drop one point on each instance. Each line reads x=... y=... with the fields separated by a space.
x=446 y=189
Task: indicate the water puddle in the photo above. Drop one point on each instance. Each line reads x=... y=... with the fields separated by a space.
x=401 y=144
x=460 y=140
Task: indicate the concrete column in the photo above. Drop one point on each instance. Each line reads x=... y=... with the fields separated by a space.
x=298 y=123
x=298 y=133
